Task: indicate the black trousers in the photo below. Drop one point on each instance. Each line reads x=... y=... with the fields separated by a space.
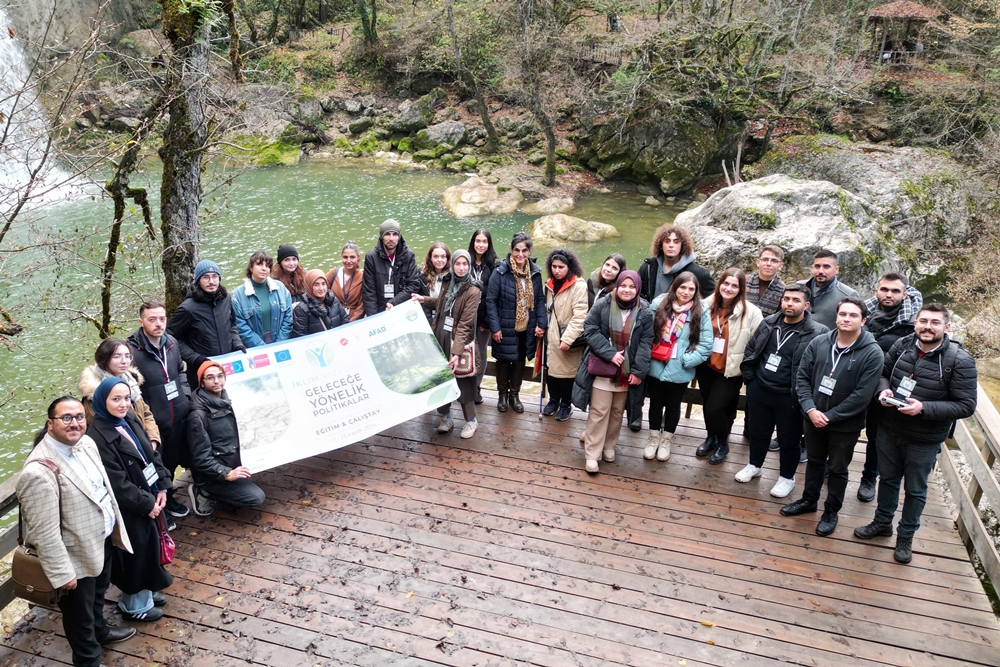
x=827 y=449
x=871 y=432
x=774 y=409
x=239 y=494
x=173 y=448
x=560 y=390
x=664 y=404
x=720 y=396
x=83 y=614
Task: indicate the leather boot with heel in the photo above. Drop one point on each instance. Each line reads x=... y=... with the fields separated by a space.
x=516 y=376
x=503 y=384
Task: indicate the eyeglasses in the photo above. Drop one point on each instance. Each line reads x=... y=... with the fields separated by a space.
x=68 y=419
x=213 y=377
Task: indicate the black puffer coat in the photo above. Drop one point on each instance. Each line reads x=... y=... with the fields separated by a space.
x=501 y=309
x=146 y=358
x=204 y=327
x=597 y=331
x=406 y=279
x=946 y=395
x=310 y=317
x=213 y=436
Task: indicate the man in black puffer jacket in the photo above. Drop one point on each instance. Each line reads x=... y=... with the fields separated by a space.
x=217 y=471
x=390 y=273
x=936 y=380
x=203 y=324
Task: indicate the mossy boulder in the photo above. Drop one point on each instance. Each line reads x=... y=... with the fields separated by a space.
x=418 y=114
x=368 y=144
x=260 y=151
x=469 y=162
x=405 y=145
x=450 y=132
x=360 y=125
x=476 y=197
x=549 y=206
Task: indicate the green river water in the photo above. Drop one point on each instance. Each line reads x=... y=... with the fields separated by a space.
x=317 y=206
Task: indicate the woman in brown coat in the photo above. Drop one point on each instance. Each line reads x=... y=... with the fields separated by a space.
x=455 y=311
x=113 y=358
x=567 y=304
x=345 y=281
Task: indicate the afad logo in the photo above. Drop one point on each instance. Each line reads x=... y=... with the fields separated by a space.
x=411 y=315
x=321 y=355
x=259 y=361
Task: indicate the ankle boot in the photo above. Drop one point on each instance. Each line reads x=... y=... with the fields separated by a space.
x=516 y=375
x=503 y=384
x=654 y=443
x=663 y=451
x=707 y=447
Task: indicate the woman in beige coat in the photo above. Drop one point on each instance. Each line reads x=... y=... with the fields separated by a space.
x=113 y=358
x=566 y=299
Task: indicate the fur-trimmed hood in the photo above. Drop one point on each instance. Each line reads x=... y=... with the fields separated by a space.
x=91 y=377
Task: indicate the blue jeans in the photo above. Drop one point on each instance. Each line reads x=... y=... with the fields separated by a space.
x=138 y=603
x=907 y=462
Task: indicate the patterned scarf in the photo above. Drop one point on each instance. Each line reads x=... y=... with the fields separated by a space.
x=525 y=294
x=620 y=335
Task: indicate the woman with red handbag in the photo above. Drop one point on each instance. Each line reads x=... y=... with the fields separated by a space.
x=682 y=340
x=619 y=334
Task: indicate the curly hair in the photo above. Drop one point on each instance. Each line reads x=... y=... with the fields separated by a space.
x=663 y=232
x=665 y=309
x=567 y=257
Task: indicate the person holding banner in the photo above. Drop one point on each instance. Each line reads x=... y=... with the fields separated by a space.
x=345 y=281
x=515 y=310
x=391 y=276
x=455 y=329
x=319 y=309
x=217 y=472
x=567 y=304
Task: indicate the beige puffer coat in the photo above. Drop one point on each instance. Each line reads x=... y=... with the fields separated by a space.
x=740 y=331
x=570 y=311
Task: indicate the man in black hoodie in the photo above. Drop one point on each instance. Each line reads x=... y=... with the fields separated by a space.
x=390 y=273
x=933 y=381
x=835 y=382
x=673 y=253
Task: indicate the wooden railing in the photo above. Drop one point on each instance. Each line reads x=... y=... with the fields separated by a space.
x=8 y=536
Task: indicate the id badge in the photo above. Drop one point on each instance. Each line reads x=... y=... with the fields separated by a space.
x=149 y=472
x=388 y=290
x=449 y=322
x=773 y=361
x=348 y=311
x=906 y=387
x=718 y=345
x=826 y=385
x=171 y=389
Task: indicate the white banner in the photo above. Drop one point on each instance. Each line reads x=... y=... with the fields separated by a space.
x=314 y=394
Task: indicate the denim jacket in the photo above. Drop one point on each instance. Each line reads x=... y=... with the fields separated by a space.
x=246 y=308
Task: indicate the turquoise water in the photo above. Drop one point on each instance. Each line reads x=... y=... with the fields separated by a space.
x=317 y=206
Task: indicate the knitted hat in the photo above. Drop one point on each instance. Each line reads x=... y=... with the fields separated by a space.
x=205 y=365
x=206 y=266
x=312 y=275
x=390 y=225
x=287 y=250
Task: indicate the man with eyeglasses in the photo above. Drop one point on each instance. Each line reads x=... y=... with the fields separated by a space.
x=764 y=286
x=73 y=522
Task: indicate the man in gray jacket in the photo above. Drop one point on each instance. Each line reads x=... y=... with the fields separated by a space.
x=827 y=291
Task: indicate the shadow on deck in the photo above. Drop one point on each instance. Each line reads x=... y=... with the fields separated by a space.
x=412 y=548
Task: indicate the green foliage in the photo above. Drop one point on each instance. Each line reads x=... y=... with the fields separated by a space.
x=367 y=144
x=277 y=66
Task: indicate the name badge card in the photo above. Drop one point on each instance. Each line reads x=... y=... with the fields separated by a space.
x=171 y=389
x=388 y=290
x=826 y=385
x=449 y=322
x=149 y=472
x=773 y=361
x=718 y=345
x=906 y=387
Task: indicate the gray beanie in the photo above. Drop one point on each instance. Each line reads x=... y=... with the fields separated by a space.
x=390 y=225
x=206 y=266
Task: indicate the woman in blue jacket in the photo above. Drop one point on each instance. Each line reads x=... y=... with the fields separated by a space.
x=682 y=339
x=262 y=306
x=515 y=311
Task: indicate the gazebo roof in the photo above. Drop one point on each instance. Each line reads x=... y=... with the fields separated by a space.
x=903 y=9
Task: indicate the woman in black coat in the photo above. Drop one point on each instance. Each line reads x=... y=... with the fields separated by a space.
x=139 y=482
x=484 y=259
x=515 y=310
x=319 y=309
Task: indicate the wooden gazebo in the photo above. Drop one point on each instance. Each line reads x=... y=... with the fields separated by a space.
x=898 y=31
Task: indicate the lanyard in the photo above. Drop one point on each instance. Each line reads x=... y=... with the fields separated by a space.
x=718 y=323
x=782 y=341
x=392 y=264
x=835 y=358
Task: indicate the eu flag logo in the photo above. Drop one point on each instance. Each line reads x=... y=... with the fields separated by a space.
x=282 y=355
x=237 y=366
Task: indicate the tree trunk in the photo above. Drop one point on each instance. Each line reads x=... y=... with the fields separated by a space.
x=183 y=148
x=272 y=30
x=493 y=141
x=538 y=111
x=248 y=19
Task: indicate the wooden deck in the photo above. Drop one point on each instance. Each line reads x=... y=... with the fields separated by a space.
x=417 y=549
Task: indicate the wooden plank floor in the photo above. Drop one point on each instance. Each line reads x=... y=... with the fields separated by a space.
x=412 y=548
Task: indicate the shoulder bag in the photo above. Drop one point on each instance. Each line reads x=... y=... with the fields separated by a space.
x=167 y=545
x=30 y=581
x=577 y=343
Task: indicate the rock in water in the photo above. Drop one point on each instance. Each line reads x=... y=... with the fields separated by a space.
x=549 y=206
x=559 y=228
x=800 y=216
x=476 y=197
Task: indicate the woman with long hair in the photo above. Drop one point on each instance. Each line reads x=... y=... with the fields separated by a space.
x=602 y=280
x=288 y=272
x=682 y=339
x=319 y=309
x=734 y=320
x=515 y=310
x=619 y=335
x=139 y=483
x=567 y=306
x=345 y=281
x=434 y=271
x=484 y=259
x=113 y=358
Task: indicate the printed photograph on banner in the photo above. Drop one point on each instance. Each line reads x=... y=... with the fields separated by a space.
x=262 y=410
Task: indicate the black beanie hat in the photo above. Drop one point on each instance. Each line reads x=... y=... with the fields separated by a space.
x=287 y=250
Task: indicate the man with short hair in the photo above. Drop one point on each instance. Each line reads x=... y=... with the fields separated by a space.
x=769 y=367
x=73 y=522
x=673 y=254
x=928 y=381
x=765 y=288
x=390 y=273
x=891 y=312
x=165 y=390
x=826 y=290
x=835 y=382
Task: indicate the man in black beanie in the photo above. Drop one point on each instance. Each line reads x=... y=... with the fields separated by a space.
x=390 y=271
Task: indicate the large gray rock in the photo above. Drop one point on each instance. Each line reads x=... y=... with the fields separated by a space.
x=549 y=206
x=800 y=216
x=451 y=132
x=559 y=228
x=476 y=197
x=417 y=114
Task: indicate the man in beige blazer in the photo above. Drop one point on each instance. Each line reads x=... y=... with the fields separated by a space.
x=73 y=541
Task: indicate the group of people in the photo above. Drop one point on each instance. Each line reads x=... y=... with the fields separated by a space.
x=819 y=365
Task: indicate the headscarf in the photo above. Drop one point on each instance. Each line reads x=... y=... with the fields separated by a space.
x=100 y=405
x=133 y=384
x=456 y=283
x=637 y=281
x=312 y=275
x=524 y=293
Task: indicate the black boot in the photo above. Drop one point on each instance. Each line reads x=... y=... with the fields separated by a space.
x=516 y=375
x=503 y=384
x=721 y=452
x=707 y=447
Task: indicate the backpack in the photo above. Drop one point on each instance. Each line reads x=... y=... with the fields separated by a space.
x=947 y=361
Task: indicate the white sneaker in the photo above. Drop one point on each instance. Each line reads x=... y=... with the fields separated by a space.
x=748 y=473
x=654 y=443
x=663 y=452
x=609 y=455
x=469 y=429
x=592 y=465
x=446 y=424
x=783 y=487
